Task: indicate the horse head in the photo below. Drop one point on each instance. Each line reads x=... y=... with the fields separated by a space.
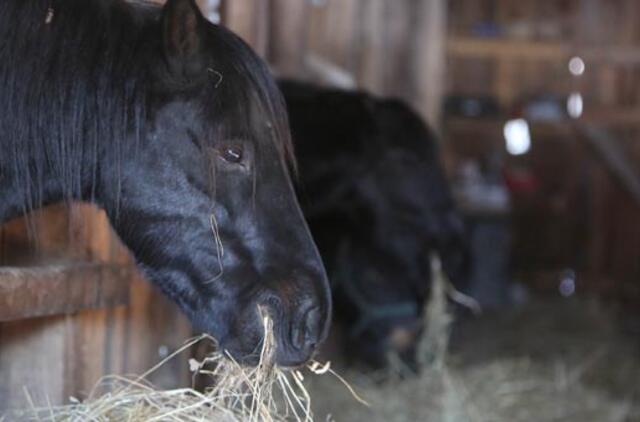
x=176 y=128
x=378 y=205
x=207 y=205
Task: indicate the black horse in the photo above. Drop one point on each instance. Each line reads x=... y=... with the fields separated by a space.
x=377 y=201
x=175 y=127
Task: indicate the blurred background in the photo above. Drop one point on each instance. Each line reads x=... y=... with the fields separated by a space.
x=535 y=105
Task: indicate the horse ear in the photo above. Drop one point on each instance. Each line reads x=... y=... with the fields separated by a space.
x=183 y=40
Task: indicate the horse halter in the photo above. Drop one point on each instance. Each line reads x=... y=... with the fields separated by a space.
x=369 y=312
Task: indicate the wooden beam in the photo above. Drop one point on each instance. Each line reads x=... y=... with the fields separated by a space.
x=430 y=60
x=613 y=116
x=288 y=36
x=32 y=358
x=250 y=20
x=370 y=35
x=607 y=149
x=506 y=49
x=27 y=292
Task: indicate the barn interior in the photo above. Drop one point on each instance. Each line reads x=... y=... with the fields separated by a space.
x=535 y=109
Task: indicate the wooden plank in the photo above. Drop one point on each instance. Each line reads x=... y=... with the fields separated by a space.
x=59 y=289
x=87 y=352
x=397 y=26
x=608 y=150
x=507 y=49
x=330 y=36
x=338 y=33
x=75 y=232
x=156 y=327
x=430 y=61
x=31 y=360
x=61 y=356
x=371 y=49
x=250 y=20
x=627 y=54
x=613 y=116
x=505 y=86
x=43 y=233
x=288 y=36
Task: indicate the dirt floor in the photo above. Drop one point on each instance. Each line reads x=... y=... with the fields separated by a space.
x=551 y=360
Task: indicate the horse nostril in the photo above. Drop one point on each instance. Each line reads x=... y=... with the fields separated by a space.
x=307 y=331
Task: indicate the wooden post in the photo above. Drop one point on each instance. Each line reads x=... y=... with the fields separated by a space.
x=371 y=57
x=250 y=20
x=288 y=36
x=430 y=60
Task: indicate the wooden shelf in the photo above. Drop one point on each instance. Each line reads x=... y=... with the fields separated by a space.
x=507 y=49
x=614 y=117
x=27 y=292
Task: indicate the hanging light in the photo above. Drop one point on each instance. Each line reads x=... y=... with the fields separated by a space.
x=517 y=136
x=576 y=66
x=575 y=105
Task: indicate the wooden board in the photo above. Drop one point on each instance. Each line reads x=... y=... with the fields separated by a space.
x=65 y=326
x=250 y=20
x=60 y=289
x=287 y=36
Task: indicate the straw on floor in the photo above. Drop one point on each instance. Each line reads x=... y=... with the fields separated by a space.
x=553 y=360
x=236 y=393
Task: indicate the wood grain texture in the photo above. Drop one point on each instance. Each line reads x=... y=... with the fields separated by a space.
x=101 y=316
x=250 y=20
x=288 y=36
x=32 y=356
x=60 y=289
x=387 y=48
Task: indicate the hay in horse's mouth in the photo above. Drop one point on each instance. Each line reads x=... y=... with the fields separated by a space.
x=265 y=392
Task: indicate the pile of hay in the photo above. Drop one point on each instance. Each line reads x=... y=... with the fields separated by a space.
x=503 y=390
x=552 y=361
x=236 y=393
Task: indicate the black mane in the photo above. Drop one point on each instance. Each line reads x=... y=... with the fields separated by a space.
x=75 y=87
x=72 y=88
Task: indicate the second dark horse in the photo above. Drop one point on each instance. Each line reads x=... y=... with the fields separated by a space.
x=376 y=198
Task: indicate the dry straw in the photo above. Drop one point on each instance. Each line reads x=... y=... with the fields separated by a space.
x=557 y=361
x=237 y=393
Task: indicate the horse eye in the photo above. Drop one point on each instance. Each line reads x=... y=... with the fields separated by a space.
x=232 y=154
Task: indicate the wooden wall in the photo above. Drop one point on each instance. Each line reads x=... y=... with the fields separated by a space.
x=388 y=48
x=519 y=49
x=583 y=215
x=613 y=244
x=73 y=309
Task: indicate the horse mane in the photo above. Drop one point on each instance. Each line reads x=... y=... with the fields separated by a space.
x=75 y=83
